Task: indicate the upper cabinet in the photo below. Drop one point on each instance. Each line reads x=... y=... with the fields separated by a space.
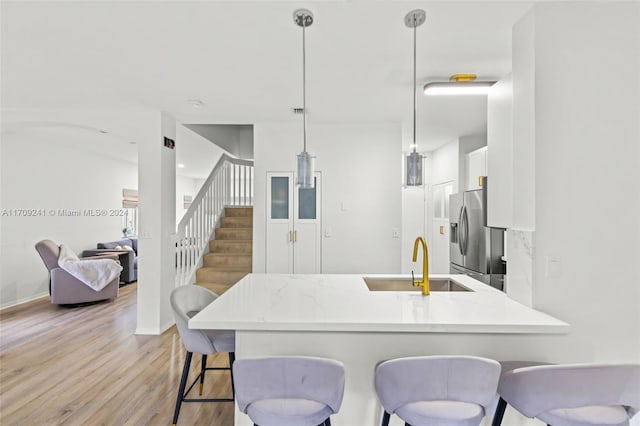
x=475 y=168
x=500 y=195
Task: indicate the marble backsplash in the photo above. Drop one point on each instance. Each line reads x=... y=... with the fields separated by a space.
x=519 y=279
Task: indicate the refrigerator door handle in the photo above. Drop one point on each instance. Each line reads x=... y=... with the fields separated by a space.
x=460 y=233
x=465 y=221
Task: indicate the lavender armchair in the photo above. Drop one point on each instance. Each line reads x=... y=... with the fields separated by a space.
x=64 y=288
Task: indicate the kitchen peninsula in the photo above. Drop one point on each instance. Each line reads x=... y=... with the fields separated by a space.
x=338 y=316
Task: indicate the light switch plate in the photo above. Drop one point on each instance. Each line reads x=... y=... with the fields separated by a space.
x=327 y=232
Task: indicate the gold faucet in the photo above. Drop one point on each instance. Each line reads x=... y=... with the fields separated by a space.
x=425 y=265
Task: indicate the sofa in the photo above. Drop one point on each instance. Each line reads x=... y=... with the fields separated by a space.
x=127 y=250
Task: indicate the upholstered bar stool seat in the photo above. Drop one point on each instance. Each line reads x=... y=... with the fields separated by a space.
x=186 y=302
x=572 y=395
x=289 y=412
x=437 y=390
x=289 y=391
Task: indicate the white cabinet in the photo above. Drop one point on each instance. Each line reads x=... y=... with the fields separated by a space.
x=293 y=225
x=475 y=168
x=500 y=196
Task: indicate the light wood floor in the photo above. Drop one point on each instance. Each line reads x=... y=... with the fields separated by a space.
x=85 y=366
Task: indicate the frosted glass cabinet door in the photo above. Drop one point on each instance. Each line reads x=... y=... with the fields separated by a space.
x=279 y=232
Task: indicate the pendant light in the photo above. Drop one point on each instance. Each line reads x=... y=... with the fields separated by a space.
x=305 y=162
x=414 y=19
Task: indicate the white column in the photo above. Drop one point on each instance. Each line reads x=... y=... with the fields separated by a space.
x=157 y=224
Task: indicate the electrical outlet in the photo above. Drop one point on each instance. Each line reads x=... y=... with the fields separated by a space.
x=553 y=267
x=395 y=233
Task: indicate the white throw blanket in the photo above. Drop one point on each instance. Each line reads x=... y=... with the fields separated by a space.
x=96 y=273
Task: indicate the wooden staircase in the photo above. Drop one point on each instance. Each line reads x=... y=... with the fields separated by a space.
x=229 y=257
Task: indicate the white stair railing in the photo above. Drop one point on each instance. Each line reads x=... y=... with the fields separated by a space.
x=229 y=184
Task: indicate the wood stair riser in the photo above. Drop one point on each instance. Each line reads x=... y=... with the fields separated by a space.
x=238 y=212
x=230 y=246
x=234 y=234
x=236 y=222
x=228 y=262
x=217 y=288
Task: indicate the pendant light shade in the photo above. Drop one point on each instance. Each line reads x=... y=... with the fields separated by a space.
x=305 y=169
x=414 y=169
x=414 y=160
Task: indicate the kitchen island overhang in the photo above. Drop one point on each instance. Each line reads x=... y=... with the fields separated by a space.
x=337 y=316
x=344 y=303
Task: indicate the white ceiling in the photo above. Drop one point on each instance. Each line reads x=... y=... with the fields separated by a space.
x=243 y=59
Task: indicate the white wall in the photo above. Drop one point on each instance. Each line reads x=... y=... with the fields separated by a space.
x=360 y=165
x=235 y=139
x=185 y=186
x=587 y=161
x=46 y=170
x=444 y=168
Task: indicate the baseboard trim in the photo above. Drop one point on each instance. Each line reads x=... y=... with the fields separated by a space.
x=23 y=301
x=153 y=331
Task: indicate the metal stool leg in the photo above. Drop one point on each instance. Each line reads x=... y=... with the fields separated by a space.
x=497 y=417
x=385 y=419
x=202 y=371
x=232 y=359
x=183 y=383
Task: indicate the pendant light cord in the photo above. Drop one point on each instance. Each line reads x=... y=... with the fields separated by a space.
x=415 y=98
x=304 y=87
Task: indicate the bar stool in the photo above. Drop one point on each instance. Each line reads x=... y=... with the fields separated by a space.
x=289 y=390
x=186 y=302
x=573 y=394
x=437 y=390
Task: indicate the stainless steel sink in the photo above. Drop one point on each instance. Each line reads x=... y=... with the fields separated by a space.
x=405 y=284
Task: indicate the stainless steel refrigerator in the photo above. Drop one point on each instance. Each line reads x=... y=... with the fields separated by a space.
x=474 y=248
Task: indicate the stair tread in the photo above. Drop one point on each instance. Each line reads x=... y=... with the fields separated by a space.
x=231 y=268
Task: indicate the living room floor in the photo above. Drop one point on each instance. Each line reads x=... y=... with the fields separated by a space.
x=85 y=366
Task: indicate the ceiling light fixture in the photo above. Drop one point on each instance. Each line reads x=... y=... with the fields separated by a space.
x=180 y=166
x=414 y=19
x=459 y=84
x=305 y=162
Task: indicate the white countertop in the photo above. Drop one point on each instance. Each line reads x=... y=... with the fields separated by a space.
x=280 y=302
